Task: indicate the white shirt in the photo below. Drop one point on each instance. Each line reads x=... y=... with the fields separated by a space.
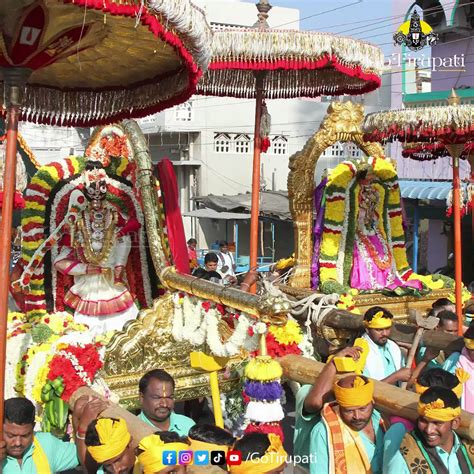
x=225 y=260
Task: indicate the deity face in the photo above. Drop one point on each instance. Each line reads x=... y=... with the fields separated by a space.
x=97 y=191
x=368 y=199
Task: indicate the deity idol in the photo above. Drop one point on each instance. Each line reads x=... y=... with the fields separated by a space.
x=372 y=265
x=359 y=240
x=95 y=253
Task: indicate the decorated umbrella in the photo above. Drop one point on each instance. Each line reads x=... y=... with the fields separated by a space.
x=89 y=62
x=452 y=126
x=265 y=63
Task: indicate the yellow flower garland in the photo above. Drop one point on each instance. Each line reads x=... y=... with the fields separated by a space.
x=340 y=177
x=288 y=334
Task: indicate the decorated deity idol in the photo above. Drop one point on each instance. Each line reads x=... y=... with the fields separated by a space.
x=95 y=253
x=372 y=266
x=359 y=236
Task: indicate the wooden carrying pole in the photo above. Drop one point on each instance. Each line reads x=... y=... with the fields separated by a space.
x=455 y=151
x=257 y=148
x=389 y=399
x=5 y=241
x=136 y=427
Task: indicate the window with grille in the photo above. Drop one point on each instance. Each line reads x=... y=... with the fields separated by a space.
x=222 y=143
x=279 y=145
x=184 y=112
x=242 y=143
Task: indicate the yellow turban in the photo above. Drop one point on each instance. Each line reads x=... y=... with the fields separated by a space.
x=379 y=321
x=274 y=457
x=151 y=459
x=437 y=411
x=359 y=395
x=469 y=343
x=114 y=438
x=461 y=375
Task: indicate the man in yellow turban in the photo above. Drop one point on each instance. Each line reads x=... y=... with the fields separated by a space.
x=464 y=360
x=349 y=436
x=109 y=443
x=384 y=360
x=156 y=453
x=432 y=447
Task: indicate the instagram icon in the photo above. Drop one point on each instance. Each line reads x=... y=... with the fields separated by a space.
x=185 y=457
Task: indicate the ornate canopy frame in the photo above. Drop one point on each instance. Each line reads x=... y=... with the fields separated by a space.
x=342 y=123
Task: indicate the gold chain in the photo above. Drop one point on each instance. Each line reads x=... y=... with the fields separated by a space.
x=93 y=257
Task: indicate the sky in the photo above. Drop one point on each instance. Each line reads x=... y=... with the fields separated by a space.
x=364 y=19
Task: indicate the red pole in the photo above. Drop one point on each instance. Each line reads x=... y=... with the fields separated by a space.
x=5 y=240
x=457 y=242
x=255 y=211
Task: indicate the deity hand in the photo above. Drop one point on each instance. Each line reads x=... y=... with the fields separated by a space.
x=119 y=272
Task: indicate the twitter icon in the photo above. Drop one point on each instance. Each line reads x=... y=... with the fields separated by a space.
x=201 y=458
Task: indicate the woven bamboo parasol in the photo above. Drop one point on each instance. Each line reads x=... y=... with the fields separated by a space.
x=264 y=63
x=451 y=126
x=90 y=62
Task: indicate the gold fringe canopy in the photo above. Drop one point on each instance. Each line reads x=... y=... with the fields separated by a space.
x=295 y=63
x=421 y=124
x=108 y=59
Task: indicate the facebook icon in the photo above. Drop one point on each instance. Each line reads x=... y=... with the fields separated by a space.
x=169 y=458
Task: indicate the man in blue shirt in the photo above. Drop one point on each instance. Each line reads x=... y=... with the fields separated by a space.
x=433 y=447
x=157 y=402
x=384 y=361
x=24 y=451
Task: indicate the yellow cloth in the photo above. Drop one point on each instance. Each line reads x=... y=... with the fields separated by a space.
x=153 y=446
x=378 y=321
x=437 y=411
x=39 y=458
x=469 y=343
x=114 y=438
x=359 y=395
x=346 y=449
x=461 y=375
x=275 y=456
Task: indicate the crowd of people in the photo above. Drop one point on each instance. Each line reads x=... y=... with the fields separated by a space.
x=338 y=430
x=337 y=427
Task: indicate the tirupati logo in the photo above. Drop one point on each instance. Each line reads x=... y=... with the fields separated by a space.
x=415 y=34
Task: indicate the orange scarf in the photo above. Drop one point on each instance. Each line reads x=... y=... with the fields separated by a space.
x=346 y=449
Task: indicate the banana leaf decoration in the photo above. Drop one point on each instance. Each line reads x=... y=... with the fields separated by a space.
x=55 y=410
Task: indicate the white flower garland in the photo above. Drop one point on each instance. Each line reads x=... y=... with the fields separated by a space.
x=264 y=412
x=193 y=324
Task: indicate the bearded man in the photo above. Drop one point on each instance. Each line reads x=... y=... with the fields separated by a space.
x=349 y=437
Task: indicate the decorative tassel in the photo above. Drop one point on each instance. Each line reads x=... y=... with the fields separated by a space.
x=264 y=369
x=266 y=428
x=264 y=412
x=262 y=393
x=265 y=127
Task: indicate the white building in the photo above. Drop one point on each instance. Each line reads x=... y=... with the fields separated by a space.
x=210 y=139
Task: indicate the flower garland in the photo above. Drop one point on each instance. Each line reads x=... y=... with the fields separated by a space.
x=197 y=322
x=52 y=349
x=263 y=392
x=337 y=218
x=39 y=198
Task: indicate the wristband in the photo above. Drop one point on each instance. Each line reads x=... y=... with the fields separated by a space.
x=78 y=435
